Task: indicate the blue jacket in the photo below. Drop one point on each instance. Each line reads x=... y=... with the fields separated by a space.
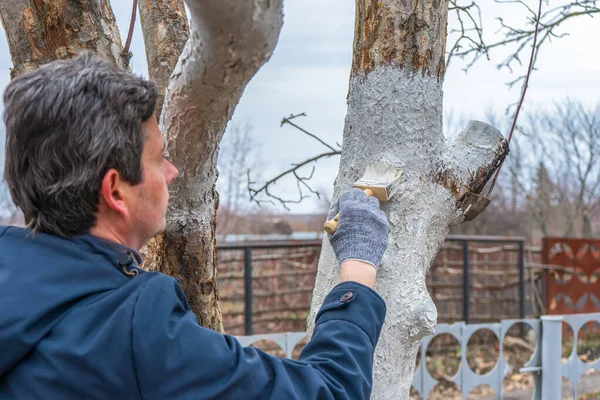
x=78 y=322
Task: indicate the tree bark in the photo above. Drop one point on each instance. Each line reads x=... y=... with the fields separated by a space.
x=166 y=31
x=229 y=42
x=40 y=31
x=395 y=116
x=165 y=28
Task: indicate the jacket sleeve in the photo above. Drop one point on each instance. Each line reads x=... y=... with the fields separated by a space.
x=176 y=358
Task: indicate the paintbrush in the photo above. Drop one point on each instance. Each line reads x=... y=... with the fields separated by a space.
x=380 y=180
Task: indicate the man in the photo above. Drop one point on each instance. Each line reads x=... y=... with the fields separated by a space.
x=85 y=162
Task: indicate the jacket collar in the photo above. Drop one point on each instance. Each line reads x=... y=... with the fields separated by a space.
x=126 y=259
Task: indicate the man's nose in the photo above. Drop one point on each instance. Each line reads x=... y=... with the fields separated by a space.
x=172 y=173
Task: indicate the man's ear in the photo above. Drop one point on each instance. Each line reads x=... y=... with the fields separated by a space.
x=112 y=192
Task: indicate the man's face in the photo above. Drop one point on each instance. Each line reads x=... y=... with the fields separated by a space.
x=149 y=204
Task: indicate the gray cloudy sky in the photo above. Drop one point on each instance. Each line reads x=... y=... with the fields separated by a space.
x=310 y=69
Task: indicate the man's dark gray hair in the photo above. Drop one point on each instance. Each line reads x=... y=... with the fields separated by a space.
x=67 y=124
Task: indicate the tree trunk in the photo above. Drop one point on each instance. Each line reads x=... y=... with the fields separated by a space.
x=395 y=115
x=165 y=28
x=229 y=42
x=166 y=31
x=40 y=31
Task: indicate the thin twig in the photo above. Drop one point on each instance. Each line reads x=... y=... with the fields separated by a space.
x=131 y=26
x=464 y=36
x=288 y=121
x=265 y=188
x=524 y=91
x=301 y=181
x=548 y=22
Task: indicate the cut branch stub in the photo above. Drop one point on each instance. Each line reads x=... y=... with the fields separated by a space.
x=469 y=164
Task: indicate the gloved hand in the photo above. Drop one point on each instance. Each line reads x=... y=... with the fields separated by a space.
x=363 y=229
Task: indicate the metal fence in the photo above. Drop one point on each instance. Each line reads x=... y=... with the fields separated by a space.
x=468 y=272
x=460 y=278
x=545 y=364
x=276 y=263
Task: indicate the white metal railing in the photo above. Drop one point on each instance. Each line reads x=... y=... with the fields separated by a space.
x=545 y=364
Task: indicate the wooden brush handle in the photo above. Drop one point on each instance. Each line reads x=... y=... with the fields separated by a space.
x=332 y=225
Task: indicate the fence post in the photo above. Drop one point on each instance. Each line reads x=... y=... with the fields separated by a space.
x=248 y=290
x=466 y=281
x=521 y=280
x=551 y=357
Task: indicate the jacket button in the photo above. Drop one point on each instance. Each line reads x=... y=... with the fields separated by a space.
x=124 y=260
x=346 y=296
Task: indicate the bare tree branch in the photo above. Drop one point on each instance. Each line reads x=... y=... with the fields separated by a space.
x=464 y=14
x=524 y=91
x=126 y=52
x=294 y=170
x=301 y=182
x=470 y=42
x=288 y=120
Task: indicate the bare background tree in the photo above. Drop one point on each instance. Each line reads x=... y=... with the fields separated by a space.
x=239 y=153
x=568 y=138
x=551 y=181
x=470 y=42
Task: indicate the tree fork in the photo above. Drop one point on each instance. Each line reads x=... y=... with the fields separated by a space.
x=165 y=28
x=40 y=31
x=395 y=115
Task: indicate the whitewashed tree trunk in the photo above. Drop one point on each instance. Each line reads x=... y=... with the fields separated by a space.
x=395 y=115
x=229 y=41
x=166 y=31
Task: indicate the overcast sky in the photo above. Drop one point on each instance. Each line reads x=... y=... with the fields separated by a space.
x=310 y=68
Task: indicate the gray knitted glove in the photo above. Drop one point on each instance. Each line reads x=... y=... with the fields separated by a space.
x=362 y=233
